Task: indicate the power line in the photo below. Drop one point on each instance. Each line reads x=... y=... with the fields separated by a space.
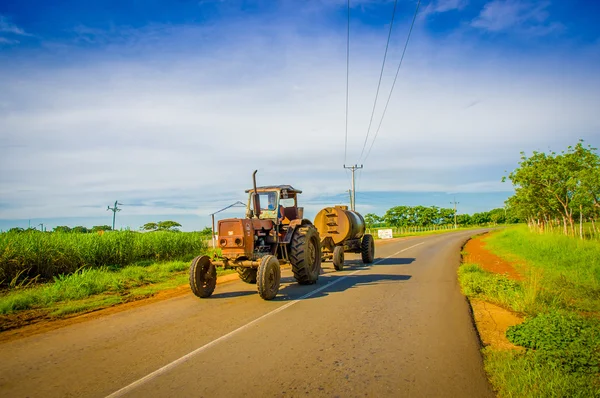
x=395 y=78
x=347 y=82
x=380 y=77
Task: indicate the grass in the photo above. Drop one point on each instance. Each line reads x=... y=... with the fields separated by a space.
x=560 y=298
x=495 y=288
x=92 y=288
x=40 y=256
x=567 y=269
x=522 y=374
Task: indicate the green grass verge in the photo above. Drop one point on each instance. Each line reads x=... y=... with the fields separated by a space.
x=559 y=298
x=89 y=289
x=567 y=268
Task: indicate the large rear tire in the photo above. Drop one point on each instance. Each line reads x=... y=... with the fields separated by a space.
x=367 y=249
x=268 y=277
x=338 y=258
x=203 y=276
x=305 y=255
x=246 y=274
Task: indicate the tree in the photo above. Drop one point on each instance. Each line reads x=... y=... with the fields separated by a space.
x=497 y=216
x=397 y=216
x=481 y=218
x=462 y=219
x=61 y=228
x=98 y=228
x=446 y=216
x=550 y=186
x=150 y=226
x=80 y=230
x=168 y=226
x=372 y=220
x=206 y=231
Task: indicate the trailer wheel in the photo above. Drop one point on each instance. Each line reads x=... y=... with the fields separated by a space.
x=246 y=274
x=305 y=255
x=367 y=249
x=203 y=276
x=268 y=277
x=338 y=258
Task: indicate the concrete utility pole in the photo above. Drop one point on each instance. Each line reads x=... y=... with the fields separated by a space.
x=455 y=203
x=353 y=168
x=114 y=210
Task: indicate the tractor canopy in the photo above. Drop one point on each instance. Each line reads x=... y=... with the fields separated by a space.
x=275 y=201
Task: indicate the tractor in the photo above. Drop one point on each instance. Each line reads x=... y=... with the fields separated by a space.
x=273 y=232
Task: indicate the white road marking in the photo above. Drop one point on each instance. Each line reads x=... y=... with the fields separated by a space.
x=197 y=351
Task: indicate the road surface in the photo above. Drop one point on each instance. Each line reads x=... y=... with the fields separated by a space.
x=397 y=328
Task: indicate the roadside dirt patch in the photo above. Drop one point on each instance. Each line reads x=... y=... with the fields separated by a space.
x=478 y=254
x=492 y=322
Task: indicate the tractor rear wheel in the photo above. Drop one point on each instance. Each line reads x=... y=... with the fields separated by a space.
x=338 y=258
x=203 y=276
x=305 y=255
x=367 y=249
x=246 y=274
x=268 y=277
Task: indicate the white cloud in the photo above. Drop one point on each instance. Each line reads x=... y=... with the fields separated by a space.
x=10 y=29
x=441 y=6
x=517 y=15
x=177 y=123
x=5 y=41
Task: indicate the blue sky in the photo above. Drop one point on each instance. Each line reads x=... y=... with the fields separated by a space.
x=168 y=106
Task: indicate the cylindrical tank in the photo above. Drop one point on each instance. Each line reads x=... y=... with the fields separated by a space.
x=340 y=224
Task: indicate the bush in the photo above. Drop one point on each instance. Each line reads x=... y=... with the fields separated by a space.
x=564 y=340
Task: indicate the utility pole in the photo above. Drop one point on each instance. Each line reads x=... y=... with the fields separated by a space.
x=41 y=225
x=350 y=194
x=114 y=210
x=353 y=168
x=455 y=203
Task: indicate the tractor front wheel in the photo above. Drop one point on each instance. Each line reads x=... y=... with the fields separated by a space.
x=203 y=276
x=268 y=277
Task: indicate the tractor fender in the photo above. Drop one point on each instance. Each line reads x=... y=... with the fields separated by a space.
x=294 y=224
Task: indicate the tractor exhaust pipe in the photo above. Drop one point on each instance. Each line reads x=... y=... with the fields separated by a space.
x=256 y=197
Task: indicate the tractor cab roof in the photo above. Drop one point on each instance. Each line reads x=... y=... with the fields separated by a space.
x=271 y=188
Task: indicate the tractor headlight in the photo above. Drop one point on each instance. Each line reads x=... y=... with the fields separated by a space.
x=238 y=241
x=223 y=242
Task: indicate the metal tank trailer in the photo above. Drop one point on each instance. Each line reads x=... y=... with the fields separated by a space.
x=342 y=230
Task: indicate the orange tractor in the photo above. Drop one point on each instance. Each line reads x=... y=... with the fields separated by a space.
x=273 y=233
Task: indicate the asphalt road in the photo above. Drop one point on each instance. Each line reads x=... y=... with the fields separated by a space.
x=397 y=328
